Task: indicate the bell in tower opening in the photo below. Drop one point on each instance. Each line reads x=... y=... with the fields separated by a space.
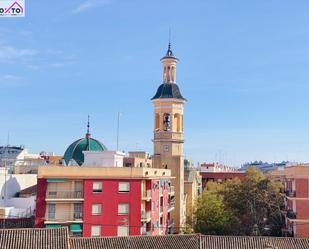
x=167 y=121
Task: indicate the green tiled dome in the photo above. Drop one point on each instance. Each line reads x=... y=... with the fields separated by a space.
x=75 y=150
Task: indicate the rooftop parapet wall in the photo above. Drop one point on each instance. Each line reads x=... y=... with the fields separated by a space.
x=296 y=171
x=76 y=172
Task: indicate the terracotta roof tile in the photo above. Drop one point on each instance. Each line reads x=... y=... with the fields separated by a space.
x=34 y=238
x=247 y=242
x=138 y=242
x=58 y=239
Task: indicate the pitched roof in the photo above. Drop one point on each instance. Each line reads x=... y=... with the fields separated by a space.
x=34 y=238
x=250 y=242
x=138 y=242
x=59 y=238
x=28 y=191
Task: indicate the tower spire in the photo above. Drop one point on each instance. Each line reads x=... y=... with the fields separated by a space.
x=169 y=52
x=169 y=38
x=169 y=62
x=88 y=128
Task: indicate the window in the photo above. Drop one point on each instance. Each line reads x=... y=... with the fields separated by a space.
x=96 y=209
x=51 y=211
x=123 y=208
x=78 y=211
x=122 y=231
x=97 y=187
x=124 y=187
x=95 y=231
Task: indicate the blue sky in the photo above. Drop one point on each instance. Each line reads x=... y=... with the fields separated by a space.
x=244 y=68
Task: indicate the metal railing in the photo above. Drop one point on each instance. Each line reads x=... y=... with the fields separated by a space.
x=171 y=205
x=171 y=190
x=170 y=223
x=64 y=195
x=146 y=215
x=147 y=194
x=290 y=193
x=64 y=216
x=146 y=232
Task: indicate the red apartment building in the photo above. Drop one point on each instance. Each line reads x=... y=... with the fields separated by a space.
x=105 y=201
x=296 y=189
x=216 y=172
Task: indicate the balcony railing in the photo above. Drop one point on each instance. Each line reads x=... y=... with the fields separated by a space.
x=290 y=193
x=147 y=194
x=64 y=195
x=291 y=214
x=64 y=216
x=171 y=190
x=170 y=223
x=146 y=215
x=145 y=231
x=171 y=206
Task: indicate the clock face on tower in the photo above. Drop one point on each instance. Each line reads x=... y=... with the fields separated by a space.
x=165 y=148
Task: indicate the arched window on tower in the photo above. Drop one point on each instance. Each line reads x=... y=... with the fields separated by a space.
x=173 y=74
x=167 y=121
x=157 y=122
x=177 y=122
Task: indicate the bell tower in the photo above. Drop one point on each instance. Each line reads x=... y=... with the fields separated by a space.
x=168 y=133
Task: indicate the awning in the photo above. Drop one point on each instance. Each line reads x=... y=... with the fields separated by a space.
x=52 y=226
x=76 y=228
x=56 y=180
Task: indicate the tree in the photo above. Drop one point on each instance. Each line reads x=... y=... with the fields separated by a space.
x=255 y=202
x=211 y=216
x=248 y=207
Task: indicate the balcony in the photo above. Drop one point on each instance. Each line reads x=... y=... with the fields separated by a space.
x=146 y=216
x=64 y=217
x=171 y=206
x=291 y=214
x=290 y=193
x=170 y=223
x=171 y=190
x=64 y=195
x=145 y=231
x=147 y=195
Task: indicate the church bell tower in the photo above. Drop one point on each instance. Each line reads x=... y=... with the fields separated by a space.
x=168 y=133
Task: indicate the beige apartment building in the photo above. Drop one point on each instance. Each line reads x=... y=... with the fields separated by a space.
x=137 y=159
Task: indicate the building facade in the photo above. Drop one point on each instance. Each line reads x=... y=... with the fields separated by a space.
x=296 y=191
x=168 y=132
x=137 y=159
x=219 y=173
x=193 y=188
x=105 y=201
